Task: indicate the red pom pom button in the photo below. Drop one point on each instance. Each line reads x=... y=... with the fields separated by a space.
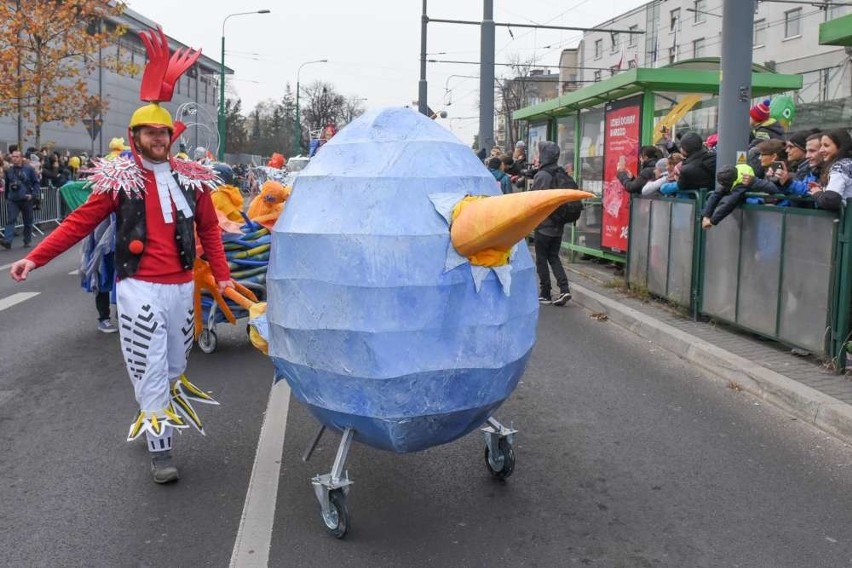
x=136 y=246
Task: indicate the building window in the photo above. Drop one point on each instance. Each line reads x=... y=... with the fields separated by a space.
x=698 y=48
x=793 y=23
x=631 y=38
x=672 y=54
x=674 y=23
x=597 y=76
x=700 y=7
x=598 y=48
x=759 y=33
x=833 y=11
x=613 y=36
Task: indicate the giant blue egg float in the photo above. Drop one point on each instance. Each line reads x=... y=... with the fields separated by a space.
x=377 y=324
x=367 y=325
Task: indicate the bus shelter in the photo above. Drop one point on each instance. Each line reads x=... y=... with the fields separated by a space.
x=596 y=125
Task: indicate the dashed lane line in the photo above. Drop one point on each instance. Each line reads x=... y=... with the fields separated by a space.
x=254 y=537
x=5 y=266
x=16 y=299
x=74 y=272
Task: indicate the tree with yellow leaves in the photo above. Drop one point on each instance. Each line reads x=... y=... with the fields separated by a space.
x=47 y=50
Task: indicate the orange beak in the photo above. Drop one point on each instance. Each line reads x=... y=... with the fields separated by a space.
x=499 y=222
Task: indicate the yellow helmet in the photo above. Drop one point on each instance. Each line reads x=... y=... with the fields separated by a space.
x=151 y=115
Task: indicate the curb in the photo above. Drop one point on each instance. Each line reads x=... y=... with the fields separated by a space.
x=818 y=409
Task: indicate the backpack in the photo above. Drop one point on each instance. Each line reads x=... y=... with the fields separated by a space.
x=568 y=212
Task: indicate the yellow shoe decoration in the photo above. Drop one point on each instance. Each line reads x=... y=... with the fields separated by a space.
x=155 y=422
x=183 y=392
x=192 y=392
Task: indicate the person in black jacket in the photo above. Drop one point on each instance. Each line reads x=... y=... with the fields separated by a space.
x=733 y=183
x=648 y=155
x=699 y=167
x=548 y=235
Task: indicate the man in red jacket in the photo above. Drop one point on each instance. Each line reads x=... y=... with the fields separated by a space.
x=160 y=203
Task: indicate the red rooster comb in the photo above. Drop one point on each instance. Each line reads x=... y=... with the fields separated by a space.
x=161 y=72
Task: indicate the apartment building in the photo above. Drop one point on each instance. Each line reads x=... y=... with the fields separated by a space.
x=786 y=40
x=195 y=100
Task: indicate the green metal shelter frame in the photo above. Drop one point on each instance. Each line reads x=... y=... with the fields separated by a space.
x=694 y=76
x=837 y=31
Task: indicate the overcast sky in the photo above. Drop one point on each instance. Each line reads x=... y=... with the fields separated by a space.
x=373 y=47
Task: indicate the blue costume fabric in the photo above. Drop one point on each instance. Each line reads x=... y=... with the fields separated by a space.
x=97 y=267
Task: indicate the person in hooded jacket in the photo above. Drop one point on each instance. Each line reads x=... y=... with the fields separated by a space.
x=698 y=169
x=648 y=156
x=548 y=235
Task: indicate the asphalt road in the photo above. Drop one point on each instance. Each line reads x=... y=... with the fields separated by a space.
x=626 y=457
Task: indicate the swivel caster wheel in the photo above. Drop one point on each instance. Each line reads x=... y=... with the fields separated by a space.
x=502 y=463
x=336 y=520
x=207 y=341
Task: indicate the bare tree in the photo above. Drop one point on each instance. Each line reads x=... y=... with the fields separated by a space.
x=324 y=106
x=513 y=90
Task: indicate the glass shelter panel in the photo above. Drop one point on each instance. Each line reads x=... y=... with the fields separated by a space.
x=591 y=150
x=565 y=137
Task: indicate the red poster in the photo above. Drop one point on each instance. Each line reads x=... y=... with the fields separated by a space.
x=621 y=138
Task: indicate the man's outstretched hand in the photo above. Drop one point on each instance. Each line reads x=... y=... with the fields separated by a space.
x=20 y=269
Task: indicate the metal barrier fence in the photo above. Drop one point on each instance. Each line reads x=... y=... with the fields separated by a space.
x=771 y=270
x=51 y=210
x=781 y=272
x=663 y=237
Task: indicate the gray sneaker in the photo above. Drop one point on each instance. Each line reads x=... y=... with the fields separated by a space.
x=163 y=467
x=106 y=326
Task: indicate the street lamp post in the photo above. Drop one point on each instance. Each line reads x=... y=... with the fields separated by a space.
x=297 y=127
x=222 y=130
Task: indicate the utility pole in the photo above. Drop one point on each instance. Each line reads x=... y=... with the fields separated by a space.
x=421 y=86
x=735 y=79
x=486 y=77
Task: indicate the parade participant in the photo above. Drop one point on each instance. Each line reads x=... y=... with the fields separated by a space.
x=160 y=202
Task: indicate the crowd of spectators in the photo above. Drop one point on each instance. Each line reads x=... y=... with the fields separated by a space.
x=808 y=168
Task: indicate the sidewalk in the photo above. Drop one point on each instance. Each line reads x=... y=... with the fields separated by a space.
x=799 y=385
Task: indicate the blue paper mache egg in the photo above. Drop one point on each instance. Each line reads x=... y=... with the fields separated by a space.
x=367 y=324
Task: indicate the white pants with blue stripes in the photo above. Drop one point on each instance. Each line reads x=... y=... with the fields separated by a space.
x=155 y=326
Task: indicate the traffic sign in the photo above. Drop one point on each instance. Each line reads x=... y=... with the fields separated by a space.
x=93 y=127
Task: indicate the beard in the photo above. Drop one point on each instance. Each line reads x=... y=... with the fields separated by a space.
x=155 y=151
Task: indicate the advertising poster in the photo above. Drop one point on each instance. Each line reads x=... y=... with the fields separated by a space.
x=621 y=140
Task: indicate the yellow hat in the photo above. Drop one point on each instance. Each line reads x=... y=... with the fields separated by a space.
x=151 y=115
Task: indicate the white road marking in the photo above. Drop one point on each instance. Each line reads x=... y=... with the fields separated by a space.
x=74 y=272
x=5 y=266
x=15 y=299
x=254 y=537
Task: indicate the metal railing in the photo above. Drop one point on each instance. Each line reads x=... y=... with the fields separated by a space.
x=781 y=272
x=50 y=211
x=663 y=235
x=770 y=270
